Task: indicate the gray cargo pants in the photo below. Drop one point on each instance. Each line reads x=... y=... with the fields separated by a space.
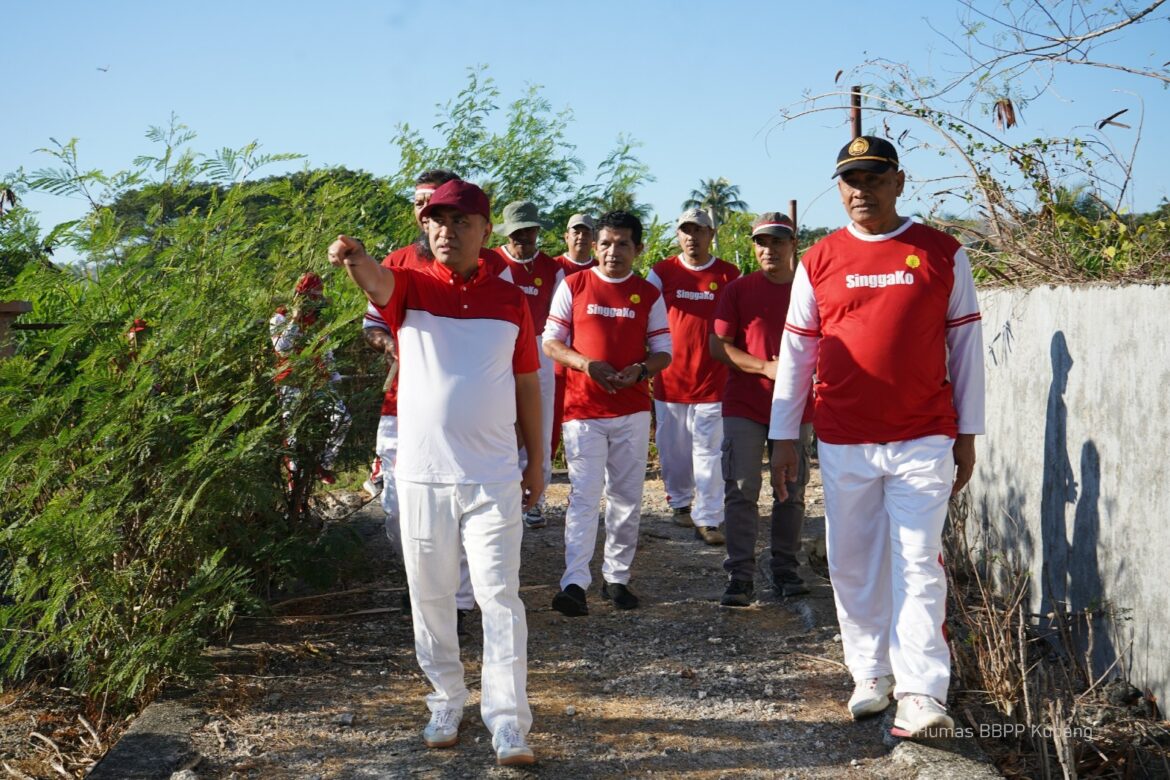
x=744 y=443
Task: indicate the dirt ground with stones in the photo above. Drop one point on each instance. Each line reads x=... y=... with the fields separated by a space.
x=328 y=687
x=680 y=686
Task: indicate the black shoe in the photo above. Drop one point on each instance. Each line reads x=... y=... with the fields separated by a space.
x=571 y=602
x=460 y=621
x=621 y=596
x=739 y=593
x=788 y=585
x=682 y=517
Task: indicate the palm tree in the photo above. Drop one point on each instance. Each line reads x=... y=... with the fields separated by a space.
x=718 y=197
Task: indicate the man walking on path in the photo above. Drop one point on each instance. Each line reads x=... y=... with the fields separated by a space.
x=468 y=376
x=616 y=324
x=578 y=256
x=376 y=333
x=884 y=311
x=748 y=323
x=687 y=411
x=537 y=276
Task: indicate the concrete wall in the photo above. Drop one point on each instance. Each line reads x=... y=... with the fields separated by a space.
x=1072 y=475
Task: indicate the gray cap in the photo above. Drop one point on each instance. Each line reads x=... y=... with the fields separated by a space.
x=772 y=223
x=578 y=220
x=697 y=217
x=519 y=214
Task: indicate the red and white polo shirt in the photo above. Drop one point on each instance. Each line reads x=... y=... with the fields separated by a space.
x=620 y=321
x=891 y=325
x=460 y=345
x=691 y=294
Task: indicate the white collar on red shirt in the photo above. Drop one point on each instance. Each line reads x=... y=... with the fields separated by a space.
x=597 y=270
x=906 y=223
x=574 y=262
x=682 y=259
x=504 y=249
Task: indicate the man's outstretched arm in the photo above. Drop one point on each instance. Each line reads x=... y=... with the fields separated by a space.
x=377 y=282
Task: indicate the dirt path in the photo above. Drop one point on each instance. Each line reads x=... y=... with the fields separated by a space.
x=680 y=686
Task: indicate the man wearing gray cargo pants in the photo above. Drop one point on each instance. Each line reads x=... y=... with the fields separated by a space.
x=749 y=321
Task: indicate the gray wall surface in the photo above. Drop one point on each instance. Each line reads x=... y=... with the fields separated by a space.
x=1072 y=475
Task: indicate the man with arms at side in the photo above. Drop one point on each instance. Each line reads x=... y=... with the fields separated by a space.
x=748 y=324
x=468 y=376
x=687 y=411
x=578 y=256
x=537 y=276
x=619 y=338
x=884 y=310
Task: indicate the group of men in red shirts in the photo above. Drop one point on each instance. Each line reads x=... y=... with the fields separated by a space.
x=883 y=311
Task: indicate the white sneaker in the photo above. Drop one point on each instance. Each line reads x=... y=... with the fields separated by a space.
x=922 y=716
x=871 y=696
x=511 y=749
x=443 y=730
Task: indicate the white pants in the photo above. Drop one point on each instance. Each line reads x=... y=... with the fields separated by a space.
x=885 y=505
x=605 y=454
x=339 y=420
x=690 y=450
x=547 y=395
x=484 y=520
x=387 y=449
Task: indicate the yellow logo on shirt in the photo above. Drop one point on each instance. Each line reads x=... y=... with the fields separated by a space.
x=635 y=298
x=913 y=261
x=538 y=281
x=713 y=286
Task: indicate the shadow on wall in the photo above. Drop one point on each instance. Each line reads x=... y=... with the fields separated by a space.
x=1070 y=574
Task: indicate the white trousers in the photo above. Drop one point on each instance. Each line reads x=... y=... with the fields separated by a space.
x=437 y=521
x=690 y=450
x=386 y=447
x=885 y=505
x=607 y=455
x=548 y=385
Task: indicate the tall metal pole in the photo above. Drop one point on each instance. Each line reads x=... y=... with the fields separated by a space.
x=855 y=110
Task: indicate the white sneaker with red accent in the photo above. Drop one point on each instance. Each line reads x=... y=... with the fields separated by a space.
x=871 y=697
x=920 y=715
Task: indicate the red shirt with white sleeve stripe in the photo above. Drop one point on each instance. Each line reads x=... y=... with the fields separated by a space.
x=620 y=321
x=691 y=294
x=890 y=324
x=570 y=267
x=537 y=277
x=461 y=343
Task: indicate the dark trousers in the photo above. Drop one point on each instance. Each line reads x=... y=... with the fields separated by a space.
x=744 y=444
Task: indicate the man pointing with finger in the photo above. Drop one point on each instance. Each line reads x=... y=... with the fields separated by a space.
x=467 y=377
x=885 y=312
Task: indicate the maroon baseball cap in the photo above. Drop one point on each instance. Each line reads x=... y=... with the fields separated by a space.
x=461 y=195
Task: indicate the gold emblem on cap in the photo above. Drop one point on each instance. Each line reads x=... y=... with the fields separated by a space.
x=859 y=146
x=713 y=286
x=635 y=298
x=913 y=261
x=538 y=281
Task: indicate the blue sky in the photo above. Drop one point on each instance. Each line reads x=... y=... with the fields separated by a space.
x=699 y=83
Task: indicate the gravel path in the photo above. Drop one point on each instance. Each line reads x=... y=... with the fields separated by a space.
x=680 y=686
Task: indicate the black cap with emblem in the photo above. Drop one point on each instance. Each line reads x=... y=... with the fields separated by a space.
x=867 y=153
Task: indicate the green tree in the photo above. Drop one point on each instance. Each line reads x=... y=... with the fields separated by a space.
x=718 y=197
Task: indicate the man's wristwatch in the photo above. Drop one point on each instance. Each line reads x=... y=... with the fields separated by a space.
x=644 y=374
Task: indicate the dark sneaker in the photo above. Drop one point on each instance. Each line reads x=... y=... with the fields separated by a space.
x=739 y=593
x=534 y=518
x=709 y=534
x=682 y=517
x=788 y=585
x=571 y=602
x=621 y=596
x=461 y=622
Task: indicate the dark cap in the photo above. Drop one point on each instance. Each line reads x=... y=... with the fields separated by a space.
x=772 y=223
x=461 y=195
x=867 y=153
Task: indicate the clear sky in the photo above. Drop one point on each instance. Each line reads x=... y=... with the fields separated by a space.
x=699 y=83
